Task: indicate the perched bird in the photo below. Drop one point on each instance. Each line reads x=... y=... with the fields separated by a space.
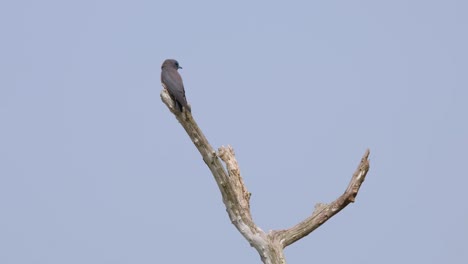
x=172 y=82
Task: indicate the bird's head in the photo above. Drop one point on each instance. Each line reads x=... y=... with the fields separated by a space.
x=171 y=64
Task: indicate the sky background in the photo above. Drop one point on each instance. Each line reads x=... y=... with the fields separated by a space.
x=95 y=169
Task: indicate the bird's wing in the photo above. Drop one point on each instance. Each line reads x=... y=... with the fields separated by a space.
x=173 y=83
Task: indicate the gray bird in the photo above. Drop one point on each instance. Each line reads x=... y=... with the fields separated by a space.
x=172 y=82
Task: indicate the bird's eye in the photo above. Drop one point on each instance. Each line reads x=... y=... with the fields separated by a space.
x=177 y=64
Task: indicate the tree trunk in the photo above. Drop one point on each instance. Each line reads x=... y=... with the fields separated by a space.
x=236 y=198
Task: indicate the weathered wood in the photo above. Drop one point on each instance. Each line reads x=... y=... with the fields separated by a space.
x=236 y=197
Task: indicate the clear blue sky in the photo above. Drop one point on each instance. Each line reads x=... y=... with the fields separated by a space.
x=95 y=169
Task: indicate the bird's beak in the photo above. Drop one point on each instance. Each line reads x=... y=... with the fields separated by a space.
x=180 y=67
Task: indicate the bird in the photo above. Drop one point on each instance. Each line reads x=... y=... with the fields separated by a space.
x=172 y=82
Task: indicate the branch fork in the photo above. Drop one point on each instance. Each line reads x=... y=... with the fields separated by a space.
x=236 y=197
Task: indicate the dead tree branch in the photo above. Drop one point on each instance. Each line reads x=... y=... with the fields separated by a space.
x=323 y=212
x=236 y=198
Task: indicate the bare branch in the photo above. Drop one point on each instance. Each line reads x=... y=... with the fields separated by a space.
x=236 y=198
x=242 y=195
x=235 y=195
x=323 y=212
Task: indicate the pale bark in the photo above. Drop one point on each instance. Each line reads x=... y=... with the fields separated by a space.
x=236 y=198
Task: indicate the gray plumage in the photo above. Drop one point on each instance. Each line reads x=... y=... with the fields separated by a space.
x=172 y=82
